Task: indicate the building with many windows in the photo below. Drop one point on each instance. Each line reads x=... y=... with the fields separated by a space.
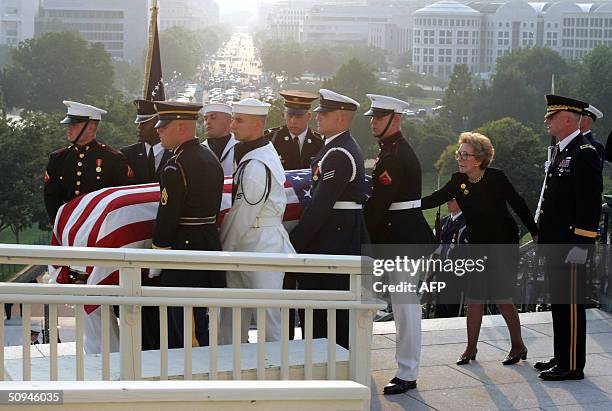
x=190 y=14
x=477 y=33
x=120 y=26
x=17 y=20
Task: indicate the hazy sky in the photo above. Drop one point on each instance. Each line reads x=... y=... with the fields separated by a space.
x=235 y=5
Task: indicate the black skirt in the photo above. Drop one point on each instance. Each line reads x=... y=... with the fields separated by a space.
x=497 y=281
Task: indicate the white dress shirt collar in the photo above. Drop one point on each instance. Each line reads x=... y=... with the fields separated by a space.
x=329 y=139
x=301 y=137
x=565 y=142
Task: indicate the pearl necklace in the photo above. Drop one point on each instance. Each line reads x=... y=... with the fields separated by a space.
x=478 y=179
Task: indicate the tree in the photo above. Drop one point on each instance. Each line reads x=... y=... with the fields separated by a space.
x=354 y=78
x=596 y=84
x=128 y=78
x=459 y=98
x=55 y=67
x=319 y=60
x=522 y=79
x=181 y=51
x=293 y=60
x=429 y=138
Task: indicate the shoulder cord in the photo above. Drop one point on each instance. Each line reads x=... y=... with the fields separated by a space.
x=239 y=173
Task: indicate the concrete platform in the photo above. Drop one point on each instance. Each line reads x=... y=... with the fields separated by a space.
x=485 y=384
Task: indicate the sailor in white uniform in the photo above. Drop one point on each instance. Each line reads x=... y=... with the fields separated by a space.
x=219 y=139
x=255 y=221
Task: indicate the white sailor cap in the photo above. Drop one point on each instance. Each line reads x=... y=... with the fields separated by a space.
x=592 y=112
x=251 y=106
x=384 y=105
x=79 y=113
x=35 y=327
x=332 y=101
x=218 y=108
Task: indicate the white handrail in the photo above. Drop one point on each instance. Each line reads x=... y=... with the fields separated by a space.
x=179 y=259
x=130 y=296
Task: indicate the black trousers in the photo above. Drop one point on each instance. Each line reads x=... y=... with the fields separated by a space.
x=319 y=326
x=567 y=286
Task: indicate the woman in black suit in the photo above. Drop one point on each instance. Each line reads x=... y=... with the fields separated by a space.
x=483 y=194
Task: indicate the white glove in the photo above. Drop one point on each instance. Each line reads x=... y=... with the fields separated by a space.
x=154 y=272
x=577 y=255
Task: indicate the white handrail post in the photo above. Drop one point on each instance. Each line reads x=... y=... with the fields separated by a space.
x=129 y=321
x=360 y=347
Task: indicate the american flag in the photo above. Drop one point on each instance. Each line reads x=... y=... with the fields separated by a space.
x=118 y=217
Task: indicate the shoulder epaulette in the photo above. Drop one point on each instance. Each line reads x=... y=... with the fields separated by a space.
x=272 y=130
x=582 y=147
x=314 y=133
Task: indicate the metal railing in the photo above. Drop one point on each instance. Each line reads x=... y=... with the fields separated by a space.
x=130 y=296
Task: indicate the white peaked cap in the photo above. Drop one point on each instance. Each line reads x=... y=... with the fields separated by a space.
x=83 y=110
x=381 y=104
x=594 y=111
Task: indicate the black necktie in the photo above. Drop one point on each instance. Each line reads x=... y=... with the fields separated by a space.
x=151 y=163
x=296 y=143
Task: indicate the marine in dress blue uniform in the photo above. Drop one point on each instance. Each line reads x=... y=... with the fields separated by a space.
x=393 y=216
x=84 y=166
x=568 y=220
x=333 y=221
x=191 y=186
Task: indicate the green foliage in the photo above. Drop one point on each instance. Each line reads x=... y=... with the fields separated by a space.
x=293 y=59
x=26 y=145
x=55 y=67
x=596 y=85
x=459 y=98
x=522 y=79
x=355 y=78
x=128 y=78
x=428 y=138
x=181 y=51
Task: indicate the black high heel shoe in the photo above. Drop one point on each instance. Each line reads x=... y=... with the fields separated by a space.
x=464 y=359
x=509 y=360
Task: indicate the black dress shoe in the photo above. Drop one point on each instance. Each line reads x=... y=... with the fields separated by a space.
x=559 y=374
x=465 y=359
x=398 y=386
x=545 y=365
x=509 y=360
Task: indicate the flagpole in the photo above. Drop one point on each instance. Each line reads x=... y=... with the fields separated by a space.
x=151 y=40
x=548 y=161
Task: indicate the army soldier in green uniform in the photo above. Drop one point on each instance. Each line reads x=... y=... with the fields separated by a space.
x=85 y=165
x=568 y=220
x=191 y=185
x=296 y=145
x=295 y=142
